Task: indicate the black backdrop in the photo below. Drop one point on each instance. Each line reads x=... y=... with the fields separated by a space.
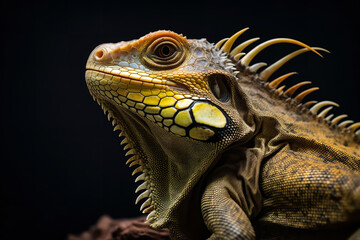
x=61 y=164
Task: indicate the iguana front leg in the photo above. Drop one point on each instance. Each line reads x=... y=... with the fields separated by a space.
x=224 y=213
x=223 y=216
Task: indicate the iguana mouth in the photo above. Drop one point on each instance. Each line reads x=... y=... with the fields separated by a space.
x=127 y=75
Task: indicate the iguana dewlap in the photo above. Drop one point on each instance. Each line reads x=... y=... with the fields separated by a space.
x=222 y=152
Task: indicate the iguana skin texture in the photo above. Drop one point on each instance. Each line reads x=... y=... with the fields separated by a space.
x=224 y=153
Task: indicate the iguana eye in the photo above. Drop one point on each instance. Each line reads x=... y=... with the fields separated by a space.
x=219 y=87
x=164 y=53
x=165 y=50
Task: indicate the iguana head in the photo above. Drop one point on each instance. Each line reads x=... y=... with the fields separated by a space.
x=177 y=103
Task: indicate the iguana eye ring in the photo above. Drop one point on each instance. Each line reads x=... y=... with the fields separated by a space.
x=164 y=53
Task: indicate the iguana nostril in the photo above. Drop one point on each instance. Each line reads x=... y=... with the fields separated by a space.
x=99 y=54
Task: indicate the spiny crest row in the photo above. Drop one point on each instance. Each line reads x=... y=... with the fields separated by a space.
x=134 y=160
x=244 y=59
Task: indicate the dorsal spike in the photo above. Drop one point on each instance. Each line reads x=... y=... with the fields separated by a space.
x=137 y=170
x=117 y=127
x=302 y=95
x=144 y=194
x=151 y=216
x=344 y=123
x=354 y=126
x=137 y=162
x=149 y=209
x=131 y=159
x=280 y=89
x=238 y=56
x=257 y=66
x=242 y=46
x=145 y=204
x=248 y=57
x=124 y=141
x=275 y=83
x=357 y=133
x=315 y=109
x=338 y=118
x=141 y=187
x=291 y=91
x=227 y=46
x=309 y=103
x=141 y=177
x=127 y=146
x=328 y=118
x=266 y=73
x=323 y=113
x=220 y=43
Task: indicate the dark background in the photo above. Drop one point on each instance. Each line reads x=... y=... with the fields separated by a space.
x=61 y=165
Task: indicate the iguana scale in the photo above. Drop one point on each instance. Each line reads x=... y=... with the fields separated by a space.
x=223 y=153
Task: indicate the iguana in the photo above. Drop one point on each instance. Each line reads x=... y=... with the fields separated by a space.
x=222 y=152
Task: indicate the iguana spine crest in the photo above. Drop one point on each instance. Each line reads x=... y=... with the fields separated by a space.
x=244 y=61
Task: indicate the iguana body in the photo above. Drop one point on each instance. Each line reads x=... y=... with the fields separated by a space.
x=222 y=153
